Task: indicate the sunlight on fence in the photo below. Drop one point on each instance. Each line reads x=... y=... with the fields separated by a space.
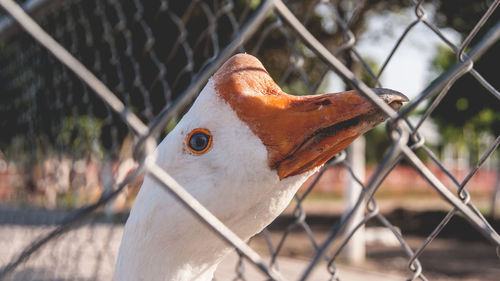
x=86 y=102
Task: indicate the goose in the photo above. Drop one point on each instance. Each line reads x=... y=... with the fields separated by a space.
x=243 y=150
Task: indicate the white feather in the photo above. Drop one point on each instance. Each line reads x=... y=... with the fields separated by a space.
x=162 y=240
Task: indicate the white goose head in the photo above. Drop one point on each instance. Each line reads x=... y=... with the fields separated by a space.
x=242 y=150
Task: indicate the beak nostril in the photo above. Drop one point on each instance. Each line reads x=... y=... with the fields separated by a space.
x=324 y=102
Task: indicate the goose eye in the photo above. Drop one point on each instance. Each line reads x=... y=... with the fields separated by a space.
x=199 y=140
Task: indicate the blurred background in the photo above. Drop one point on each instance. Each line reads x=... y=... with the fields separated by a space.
x=62 y=148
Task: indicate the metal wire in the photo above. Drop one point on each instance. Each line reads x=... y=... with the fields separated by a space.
x=126 y=49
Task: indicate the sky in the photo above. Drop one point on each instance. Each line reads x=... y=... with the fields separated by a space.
x=409 y=71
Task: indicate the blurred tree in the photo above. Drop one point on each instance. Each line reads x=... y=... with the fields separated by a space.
x=117 y=46
x=468 y=110
x=320 y=18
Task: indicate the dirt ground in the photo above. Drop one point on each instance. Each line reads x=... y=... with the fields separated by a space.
x=459 y=252
x=443 y=259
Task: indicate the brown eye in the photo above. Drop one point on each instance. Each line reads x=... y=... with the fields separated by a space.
x=199 y=140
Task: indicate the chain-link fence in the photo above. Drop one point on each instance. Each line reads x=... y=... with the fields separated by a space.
x=74 y=140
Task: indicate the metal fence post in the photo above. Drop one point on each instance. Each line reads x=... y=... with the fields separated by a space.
x=355 y=250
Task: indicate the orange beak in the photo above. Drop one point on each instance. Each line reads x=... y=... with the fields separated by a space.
x=299 y=132
x=321 y=126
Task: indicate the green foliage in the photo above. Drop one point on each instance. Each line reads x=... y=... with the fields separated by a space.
x=377 y=142
x=468 y=112
x=444 y=59
x=468 y=104
x=365 y=75
x=82 y=134
x=254 y=3
x=171 y=125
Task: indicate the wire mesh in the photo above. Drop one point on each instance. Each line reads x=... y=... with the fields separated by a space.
x=151 y=59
